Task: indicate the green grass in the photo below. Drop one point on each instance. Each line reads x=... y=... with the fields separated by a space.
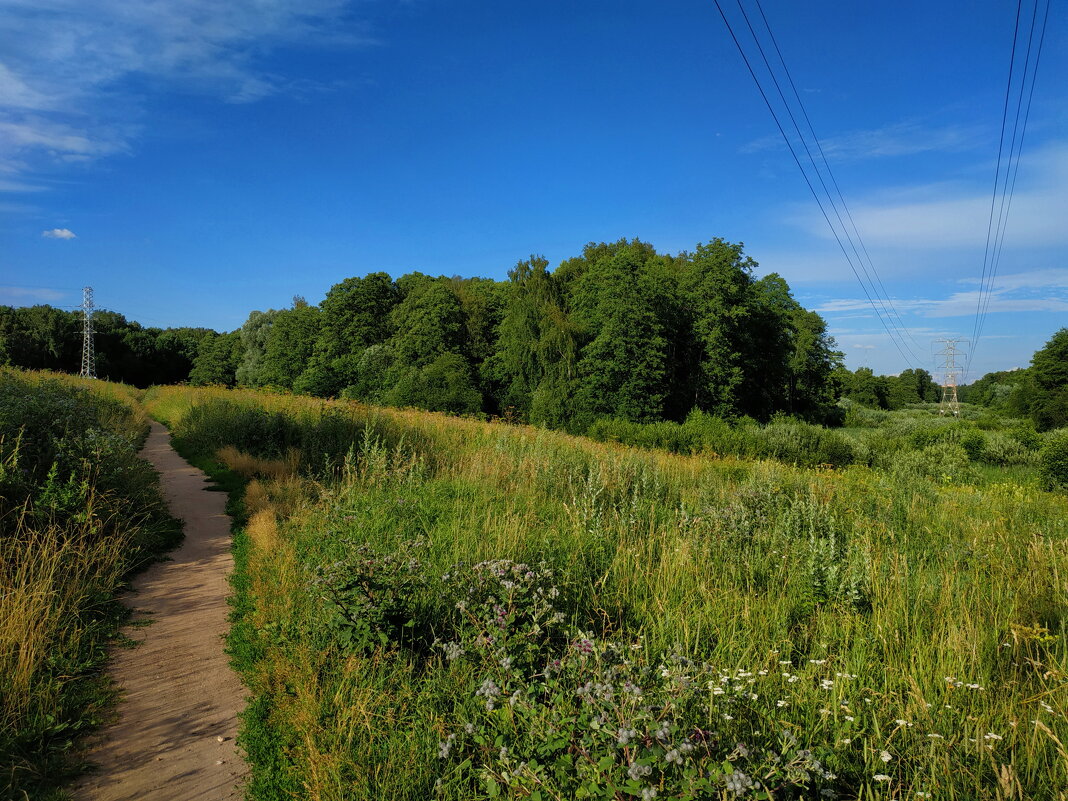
x=79 y=512
x=918 y=616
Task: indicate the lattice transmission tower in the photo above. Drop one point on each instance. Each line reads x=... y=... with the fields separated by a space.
x=88 y=353
x=951 y=373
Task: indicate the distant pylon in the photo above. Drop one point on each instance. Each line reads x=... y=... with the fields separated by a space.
x=951 y=375
x=88 y=353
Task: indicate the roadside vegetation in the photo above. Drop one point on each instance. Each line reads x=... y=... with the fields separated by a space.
x=438 y=607
x=78 y=513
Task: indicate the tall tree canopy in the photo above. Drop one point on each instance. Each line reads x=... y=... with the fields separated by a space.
x=618 y=331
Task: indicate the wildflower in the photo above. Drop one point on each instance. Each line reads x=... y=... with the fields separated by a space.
x=503 y=753
x=738 y=782
x=673 y=756
x=648 y=793
x=935 y=735
x=506 y=663
x=781 y=703
x=885 y=756
x=636 y=771
x=881 y=777
x=991 y=736
x=850 y=718
x=817 y=661
x=469 y=728
x=624 y=736
x=489 y=690
x=826 y=684
x=446 y=746
x=453 y=651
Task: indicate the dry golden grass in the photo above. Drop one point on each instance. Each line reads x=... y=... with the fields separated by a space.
x=249 y=466
x=46 y=576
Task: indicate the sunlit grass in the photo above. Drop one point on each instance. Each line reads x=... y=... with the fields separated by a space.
x=935 y=610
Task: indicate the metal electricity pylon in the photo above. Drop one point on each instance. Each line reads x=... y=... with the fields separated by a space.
x=88 y=353
x=951 y=373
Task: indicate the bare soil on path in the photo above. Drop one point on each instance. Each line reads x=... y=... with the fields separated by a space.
x=174 y=735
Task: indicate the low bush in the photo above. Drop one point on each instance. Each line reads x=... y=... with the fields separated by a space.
x=1053 y=460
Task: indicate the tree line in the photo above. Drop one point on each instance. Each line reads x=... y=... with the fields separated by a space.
x=620 y=331
x=46 y=338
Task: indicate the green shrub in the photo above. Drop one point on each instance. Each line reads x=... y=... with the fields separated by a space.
x=1053 y=462
x=946 y=462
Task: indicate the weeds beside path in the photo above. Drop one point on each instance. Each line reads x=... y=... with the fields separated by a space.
x=174 y=734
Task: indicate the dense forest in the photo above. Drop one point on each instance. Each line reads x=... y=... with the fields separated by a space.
x=47 y=338
x=621 y=332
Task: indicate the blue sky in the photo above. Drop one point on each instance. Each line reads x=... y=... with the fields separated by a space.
x=193 y=160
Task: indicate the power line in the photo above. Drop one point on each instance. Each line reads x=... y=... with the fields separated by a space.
x=900 y=323
x=901 y=346
x=1004 y=184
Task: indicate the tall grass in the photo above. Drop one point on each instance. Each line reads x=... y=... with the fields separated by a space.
x=78 y=512
x=882 y=633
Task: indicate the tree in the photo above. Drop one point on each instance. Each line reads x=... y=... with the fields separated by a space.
x=427 y=323
x=1048 y=393
x=514 y=369
x=289 y=346
x=812 y=364
x=718 y=282
x=254 y=334
x=622 y=369
x=217 y=360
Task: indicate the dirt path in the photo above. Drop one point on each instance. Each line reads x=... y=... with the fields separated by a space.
x=180 y=697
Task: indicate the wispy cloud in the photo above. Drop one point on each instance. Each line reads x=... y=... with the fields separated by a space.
x=1033 y=291
x=66 y=66
x=21 y=294
x=948 y=217
x=59 y=233
x=908 y=138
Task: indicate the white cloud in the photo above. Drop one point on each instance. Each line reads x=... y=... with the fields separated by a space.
x=66 y=65
x=20 y=294
x=1003 y=298
x=940 y=218
x=59 y=233
x=907 y=138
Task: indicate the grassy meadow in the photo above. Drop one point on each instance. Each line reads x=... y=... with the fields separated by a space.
x=78 y=513
x=436 y=607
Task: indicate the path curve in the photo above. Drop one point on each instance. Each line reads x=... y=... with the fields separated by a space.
x=174 y=735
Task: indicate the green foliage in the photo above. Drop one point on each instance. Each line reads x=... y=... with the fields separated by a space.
x=1047 y=399
x=1054 y=460
x=78 y=513
x=581 y=621
x=444 y=385
x=217 y=360
x=43 y=337
x=289 y=345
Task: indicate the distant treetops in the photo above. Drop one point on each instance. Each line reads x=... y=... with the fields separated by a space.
x=620 y=331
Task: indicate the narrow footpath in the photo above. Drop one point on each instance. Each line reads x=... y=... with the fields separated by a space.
x=174 y=736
